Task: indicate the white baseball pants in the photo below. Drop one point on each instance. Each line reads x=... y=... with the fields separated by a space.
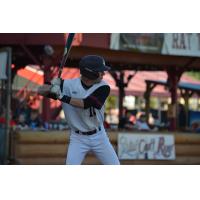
x=97 y=143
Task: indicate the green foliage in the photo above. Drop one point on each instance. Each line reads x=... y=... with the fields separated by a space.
x=195 y=75
x=153 y=103
x=111 y=102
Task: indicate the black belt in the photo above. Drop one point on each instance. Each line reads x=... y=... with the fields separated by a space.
x=88 y=132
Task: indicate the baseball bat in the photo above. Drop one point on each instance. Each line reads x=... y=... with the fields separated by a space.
x=66 y=52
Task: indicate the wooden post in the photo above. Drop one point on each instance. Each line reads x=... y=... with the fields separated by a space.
x=121 y=84
x=46 y=109
x=186 y=95
x=147 y=100
x=149 y=87
x=121 y=93
x=187 y=107
x=8 y=103
x=47 y=61
x=173 y=79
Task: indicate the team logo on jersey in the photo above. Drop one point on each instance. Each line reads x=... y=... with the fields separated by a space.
x=74 y=92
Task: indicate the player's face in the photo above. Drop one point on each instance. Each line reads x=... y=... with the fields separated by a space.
x=101 y=74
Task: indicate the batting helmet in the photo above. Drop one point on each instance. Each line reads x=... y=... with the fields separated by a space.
x=91 y=65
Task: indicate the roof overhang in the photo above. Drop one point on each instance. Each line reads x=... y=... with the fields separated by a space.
x=126 y=60
x=181 y=85
x=117 y=59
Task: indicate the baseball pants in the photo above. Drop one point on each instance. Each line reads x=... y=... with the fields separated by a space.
x=97 y=143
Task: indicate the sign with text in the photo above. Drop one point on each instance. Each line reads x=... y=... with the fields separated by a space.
x=185 y=44
x=146 y=146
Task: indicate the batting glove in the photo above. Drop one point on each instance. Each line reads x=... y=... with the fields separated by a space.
x=56 y=81
x=55 y=90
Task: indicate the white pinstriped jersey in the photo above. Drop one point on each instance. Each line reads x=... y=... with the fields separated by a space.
x=79 y=118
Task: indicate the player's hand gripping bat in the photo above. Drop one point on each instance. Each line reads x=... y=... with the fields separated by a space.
x=45 y=89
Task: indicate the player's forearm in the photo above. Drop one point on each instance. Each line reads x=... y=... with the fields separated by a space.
x=45 y=91
x=72 y=101
x=77 y=102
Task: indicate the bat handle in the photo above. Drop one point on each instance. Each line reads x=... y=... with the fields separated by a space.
x=60 y=72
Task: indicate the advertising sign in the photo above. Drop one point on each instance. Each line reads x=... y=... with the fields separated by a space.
x=148 y=147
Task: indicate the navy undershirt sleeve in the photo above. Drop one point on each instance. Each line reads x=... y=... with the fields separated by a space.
x=97 y=98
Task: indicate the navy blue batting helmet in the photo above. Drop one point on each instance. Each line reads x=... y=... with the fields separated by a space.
x=91 y=65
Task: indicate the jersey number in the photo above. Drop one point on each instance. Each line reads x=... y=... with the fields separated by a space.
x=92 y=112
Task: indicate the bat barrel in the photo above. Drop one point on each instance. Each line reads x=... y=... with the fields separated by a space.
x=66 y=52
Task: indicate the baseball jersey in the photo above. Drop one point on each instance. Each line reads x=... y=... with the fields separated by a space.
x=79 y=118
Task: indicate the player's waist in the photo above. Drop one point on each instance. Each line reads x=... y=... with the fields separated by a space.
x=88 y=132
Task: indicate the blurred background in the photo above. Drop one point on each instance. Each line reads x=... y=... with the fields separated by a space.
x=152 y=113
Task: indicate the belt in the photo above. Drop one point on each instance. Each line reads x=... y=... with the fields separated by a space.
x=88 y=132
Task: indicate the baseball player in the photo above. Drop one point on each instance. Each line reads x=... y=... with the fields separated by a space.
x=83 y=102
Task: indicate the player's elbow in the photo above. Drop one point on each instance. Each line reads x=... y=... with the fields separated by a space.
x=96 y=107
x=92 y=102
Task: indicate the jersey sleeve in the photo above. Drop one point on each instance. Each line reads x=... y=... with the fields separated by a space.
x=97 y=98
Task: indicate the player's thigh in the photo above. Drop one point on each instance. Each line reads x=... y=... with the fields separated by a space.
x=106 y=153
x=76 y=152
